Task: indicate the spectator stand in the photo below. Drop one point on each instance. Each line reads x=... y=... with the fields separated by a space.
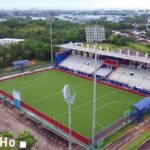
x=107 y=68
x=111 y=60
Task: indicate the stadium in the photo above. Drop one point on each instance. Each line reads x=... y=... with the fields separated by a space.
x=122 y=83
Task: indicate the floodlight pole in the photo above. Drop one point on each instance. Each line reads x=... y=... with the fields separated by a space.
x=51 y=39
x=70 y=118
x=69 y=99
x=94 y=93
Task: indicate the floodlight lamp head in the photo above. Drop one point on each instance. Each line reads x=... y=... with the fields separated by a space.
x=72 y=99
x=67 y=95
x=66 y=92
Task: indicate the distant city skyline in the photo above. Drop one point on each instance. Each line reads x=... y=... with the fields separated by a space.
x=75 y=4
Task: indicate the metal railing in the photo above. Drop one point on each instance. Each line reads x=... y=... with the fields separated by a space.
x=12 y=71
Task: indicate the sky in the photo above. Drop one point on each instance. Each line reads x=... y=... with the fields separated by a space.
x=75 y=4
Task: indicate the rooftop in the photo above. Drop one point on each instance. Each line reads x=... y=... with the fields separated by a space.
x=143 y=104
x=7 y=41
x=128 y=55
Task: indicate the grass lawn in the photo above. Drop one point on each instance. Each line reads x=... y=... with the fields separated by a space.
x=44 y=91
x=139 y=47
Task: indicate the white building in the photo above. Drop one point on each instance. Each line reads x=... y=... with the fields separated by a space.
x=7 y=41
x=38 y=18
x=148 y=25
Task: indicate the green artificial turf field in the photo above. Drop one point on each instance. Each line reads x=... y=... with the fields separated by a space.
x=44 y=91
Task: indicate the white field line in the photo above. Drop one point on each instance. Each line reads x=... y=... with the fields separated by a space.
x=23 y=77
x=43 y=82
x=116 y=102
x=24 y=87
x=56 y=93
x=99 y=108
x=90 y=101
x=100 y=124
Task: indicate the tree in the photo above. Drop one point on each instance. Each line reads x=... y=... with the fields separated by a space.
x=7 y=134
x=148 y=34
x=7 y=59
x=26 y=136
x=37 y=38
x=120 y=40
x=2 y=63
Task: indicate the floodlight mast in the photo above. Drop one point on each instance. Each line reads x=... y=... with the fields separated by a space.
x=96 y=30
x=94 y=92
x=51 y=38
x=69 y=99
x=70 y=115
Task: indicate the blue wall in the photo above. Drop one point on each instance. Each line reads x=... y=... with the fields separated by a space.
x=59 y=57
x=17 y=103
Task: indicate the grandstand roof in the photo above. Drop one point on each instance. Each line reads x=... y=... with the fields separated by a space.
x=114 y=54
x=143 y=104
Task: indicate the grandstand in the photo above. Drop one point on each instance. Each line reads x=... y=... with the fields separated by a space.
x=125 y=68
x=107 y=68
x=103 y=72
x=132 y=76
x=81 y=64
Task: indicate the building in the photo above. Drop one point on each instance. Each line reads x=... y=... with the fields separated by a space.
x=148 y=25
x=137 y=32
x=141 y=108
x=38 y=18
x=7 y=41
x=120 y=33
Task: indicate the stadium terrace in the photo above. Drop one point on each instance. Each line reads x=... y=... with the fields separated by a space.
x=125 y=68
